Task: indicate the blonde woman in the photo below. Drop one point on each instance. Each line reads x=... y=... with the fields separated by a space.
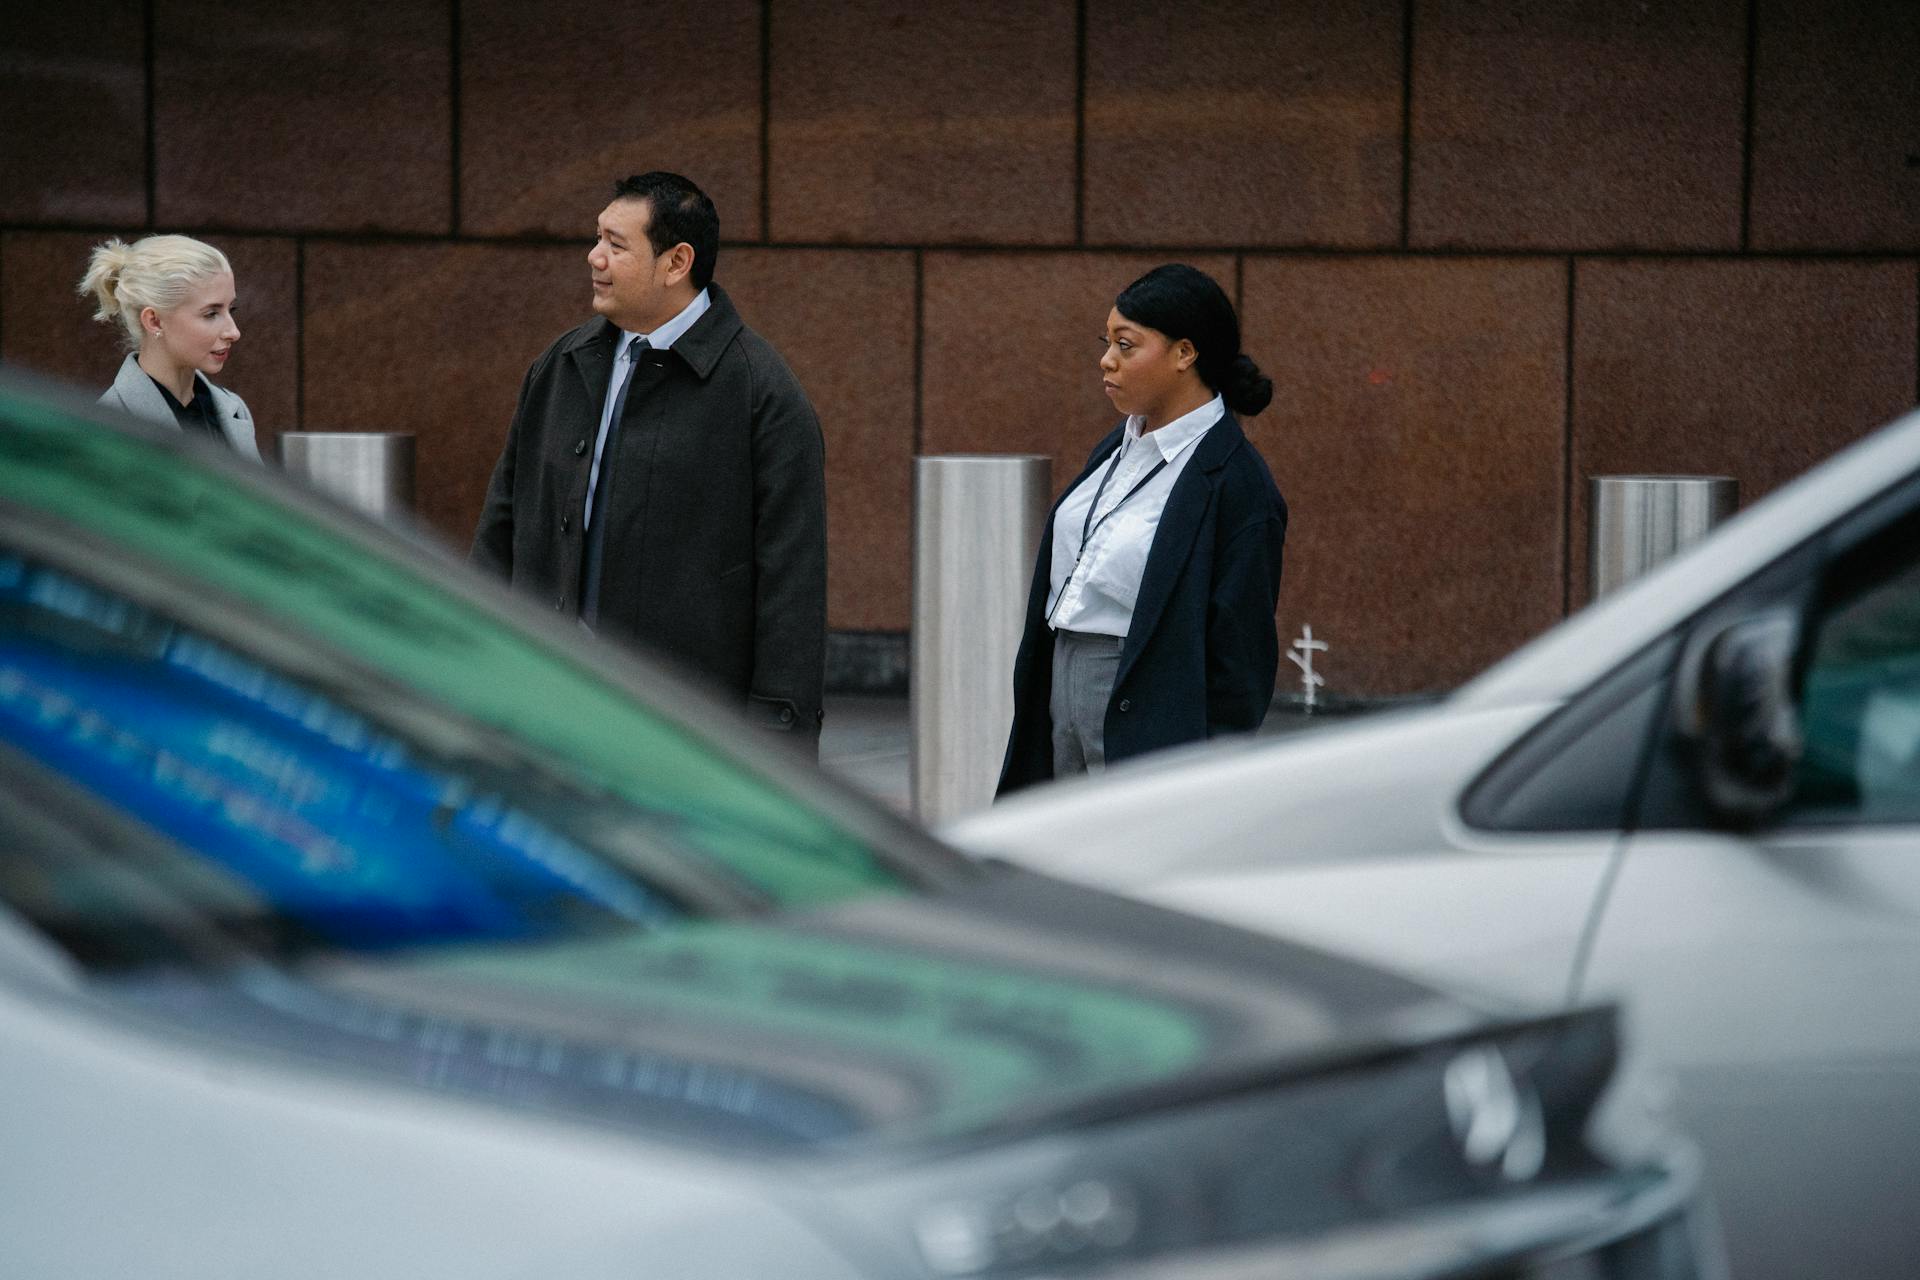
x=172 y=297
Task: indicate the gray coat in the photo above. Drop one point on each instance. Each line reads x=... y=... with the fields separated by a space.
x=716 y=546
x=133 y=392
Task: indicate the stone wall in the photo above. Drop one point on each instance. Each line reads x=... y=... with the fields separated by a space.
x=1486 y=248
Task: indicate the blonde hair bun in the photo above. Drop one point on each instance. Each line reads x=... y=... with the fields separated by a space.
x=157 y=271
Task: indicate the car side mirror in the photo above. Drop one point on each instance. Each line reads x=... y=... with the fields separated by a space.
x=1737 y=709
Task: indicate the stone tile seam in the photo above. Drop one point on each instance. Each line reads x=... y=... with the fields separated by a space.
x=381 y=238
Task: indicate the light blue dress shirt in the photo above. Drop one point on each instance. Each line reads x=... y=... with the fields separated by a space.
x=661 y=339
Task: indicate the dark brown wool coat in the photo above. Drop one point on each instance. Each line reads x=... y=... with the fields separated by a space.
x=716 y=557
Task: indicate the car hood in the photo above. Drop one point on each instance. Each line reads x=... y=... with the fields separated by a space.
x=995 y=1009
x=1308 y=797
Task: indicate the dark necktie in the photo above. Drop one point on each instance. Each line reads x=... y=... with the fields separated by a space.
x=591 y=558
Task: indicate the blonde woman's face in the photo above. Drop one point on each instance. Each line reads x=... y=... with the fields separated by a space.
x=200 y=332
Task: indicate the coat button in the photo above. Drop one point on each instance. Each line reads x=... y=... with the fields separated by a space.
x=1126 y=704
x=560 y=605
x=786 y=715
x=565 y=522
x=579 y=448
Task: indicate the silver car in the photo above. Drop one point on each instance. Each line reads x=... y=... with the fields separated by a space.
x=1700 y=796
x=359 y=920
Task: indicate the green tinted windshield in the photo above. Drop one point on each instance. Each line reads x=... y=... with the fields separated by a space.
x=985 y=1036
x=386 y=616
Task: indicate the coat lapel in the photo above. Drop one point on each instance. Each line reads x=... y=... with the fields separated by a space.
x=139 y=397
x=592 y=354
x=702 y=345
x=1173 y=540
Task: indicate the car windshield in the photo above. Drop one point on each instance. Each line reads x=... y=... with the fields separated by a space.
x=306 y=741
x=270 y=778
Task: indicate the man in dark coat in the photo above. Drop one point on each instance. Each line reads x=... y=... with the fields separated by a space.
x=671 y=491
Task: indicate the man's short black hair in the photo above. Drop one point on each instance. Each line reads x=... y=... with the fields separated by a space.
x=681 y=212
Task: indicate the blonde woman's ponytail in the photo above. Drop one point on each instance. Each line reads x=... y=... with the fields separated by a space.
x=158 y=271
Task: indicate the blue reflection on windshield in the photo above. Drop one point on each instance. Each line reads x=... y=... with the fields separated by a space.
x=329 y=819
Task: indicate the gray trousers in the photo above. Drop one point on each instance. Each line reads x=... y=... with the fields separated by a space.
x=1084 y=666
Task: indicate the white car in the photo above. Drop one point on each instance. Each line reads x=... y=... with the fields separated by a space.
x=1701 y=795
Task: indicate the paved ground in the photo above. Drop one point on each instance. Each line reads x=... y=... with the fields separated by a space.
x=864 y=741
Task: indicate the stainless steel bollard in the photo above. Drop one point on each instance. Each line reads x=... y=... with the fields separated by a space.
x=371 y=470
x=976 y=525
x=1638 y=521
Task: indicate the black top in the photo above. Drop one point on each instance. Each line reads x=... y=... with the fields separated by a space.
x=197 y=415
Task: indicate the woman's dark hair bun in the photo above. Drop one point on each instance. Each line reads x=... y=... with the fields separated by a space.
x=1185 y=302
x=1246 y=389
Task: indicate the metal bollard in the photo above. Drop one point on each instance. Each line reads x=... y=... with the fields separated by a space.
x=976 y=525
x=371 y=470
x=1638 y=521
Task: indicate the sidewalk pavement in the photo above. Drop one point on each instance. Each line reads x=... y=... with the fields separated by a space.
x=864 y=742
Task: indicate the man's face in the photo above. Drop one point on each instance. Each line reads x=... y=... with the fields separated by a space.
x=631 y=283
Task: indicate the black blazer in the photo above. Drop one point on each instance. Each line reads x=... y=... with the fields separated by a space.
x=716 y=554
x=1202 y=653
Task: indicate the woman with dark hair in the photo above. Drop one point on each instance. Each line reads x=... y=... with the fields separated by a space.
x=1151 y=618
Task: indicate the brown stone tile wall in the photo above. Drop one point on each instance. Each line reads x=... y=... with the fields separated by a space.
x=1485 y=247
x=1559 y=124
x=1417 y=432
x=1756 y=369
x=1262 y=124
x=1836 y=127
x=73 y=144
x=329 y=115
x=903 y=123
x=844 y=321
x=434 y=339
x=559 y=101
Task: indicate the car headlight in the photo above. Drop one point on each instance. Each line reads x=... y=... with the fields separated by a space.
x=1085 y=1219
x=1412 y=1160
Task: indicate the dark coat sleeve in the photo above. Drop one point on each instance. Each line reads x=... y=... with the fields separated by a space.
x=1029 y=754
x=1243 y=642
x=493 y=536
x=789 y=551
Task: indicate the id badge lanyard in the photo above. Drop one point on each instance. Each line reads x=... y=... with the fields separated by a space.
x=1090 y=526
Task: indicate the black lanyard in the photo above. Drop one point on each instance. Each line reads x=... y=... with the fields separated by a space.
x=1090 y=526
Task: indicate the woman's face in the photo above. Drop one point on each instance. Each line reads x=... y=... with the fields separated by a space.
x=200 y=332
x=1141 y=370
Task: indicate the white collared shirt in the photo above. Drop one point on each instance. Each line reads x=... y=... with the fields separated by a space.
x=661 y=339
x=1094 y=590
